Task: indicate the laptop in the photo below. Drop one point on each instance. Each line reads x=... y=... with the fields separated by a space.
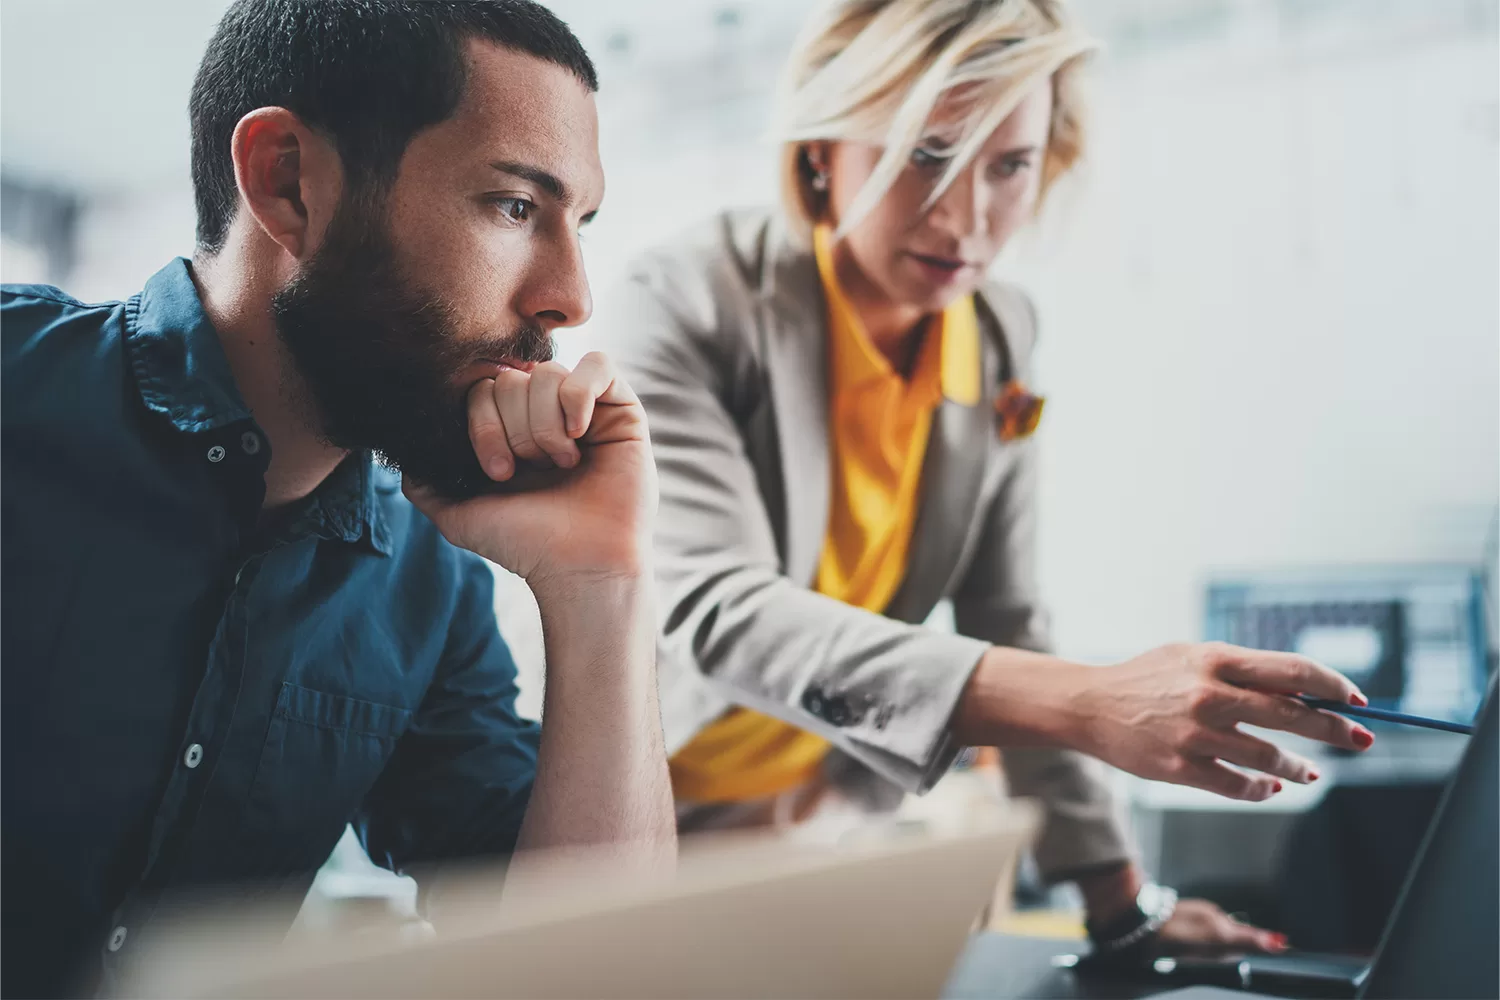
x=1443 y=938
x=885 y=914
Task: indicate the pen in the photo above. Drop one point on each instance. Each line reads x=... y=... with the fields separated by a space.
x=1385 y=716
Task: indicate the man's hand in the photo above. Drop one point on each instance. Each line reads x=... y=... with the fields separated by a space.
x=594 y=519
x=1172 y=714
x=581 y=539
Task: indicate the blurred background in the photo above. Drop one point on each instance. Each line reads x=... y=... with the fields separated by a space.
x=1270 y=306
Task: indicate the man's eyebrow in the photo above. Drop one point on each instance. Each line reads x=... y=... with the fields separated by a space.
x=536 y=175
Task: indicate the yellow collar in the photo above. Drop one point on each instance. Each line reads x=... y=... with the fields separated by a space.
x=854 y=359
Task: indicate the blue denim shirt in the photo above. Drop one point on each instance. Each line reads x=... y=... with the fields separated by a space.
x=189 y=701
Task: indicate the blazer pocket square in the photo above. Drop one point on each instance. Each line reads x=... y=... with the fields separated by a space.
x=1017 y=411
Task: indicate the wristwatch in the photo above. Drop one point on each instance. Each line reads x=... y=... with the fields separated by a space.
x=1154 y=906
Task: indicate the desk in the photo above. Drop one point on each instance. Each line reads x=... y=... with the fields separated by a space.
x=1005 y=967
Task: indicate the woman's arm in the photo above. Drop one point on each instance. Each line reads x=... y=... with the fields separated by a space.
x=902 y=698
x=881 y=690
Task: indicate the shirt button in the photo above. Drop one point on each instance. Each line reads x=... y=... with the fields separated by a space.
x=250 y=441
x=117 y=938
x=194 y=755
x=216 y=453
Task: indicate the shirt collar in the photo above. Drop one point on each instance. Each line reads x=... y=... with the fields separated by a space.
x=854 y=359
x=175 y=352
x=182 y=373
x=347 y=506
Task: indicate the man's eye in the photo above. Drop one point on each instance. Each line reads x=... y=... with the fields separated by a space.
x=515 y=209
x=924 y=160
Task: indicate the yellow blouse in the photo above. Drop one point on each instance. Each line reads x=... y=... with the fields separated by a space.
x=879 y=424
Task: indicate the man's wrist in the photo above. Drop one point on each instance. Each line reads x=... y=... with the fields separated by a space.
x=567 y=592
x=584 y=612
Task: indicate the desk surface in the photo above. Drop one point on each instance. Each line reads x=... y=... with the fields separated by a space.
x=1002 y=967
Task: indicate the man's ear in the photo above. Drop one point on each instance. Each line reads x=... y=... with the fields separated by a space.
x=289 y=178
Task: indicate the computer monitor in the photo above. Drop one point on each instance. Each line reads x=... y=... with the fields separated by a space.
x=1416 y=638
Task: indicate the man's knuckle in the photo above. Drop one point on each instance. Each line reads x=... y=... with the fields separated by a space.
x=551 y=438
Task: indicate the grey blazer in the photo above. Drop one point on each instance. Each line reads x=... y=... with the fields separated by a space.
x=723 y=335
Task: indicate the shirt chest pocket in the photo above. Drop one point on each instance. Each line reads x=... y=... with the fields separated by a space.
x=322 y=754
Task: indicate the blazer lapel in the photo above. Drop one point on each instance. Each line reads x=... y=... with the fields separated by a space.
x=797 y=365
x=952 y=475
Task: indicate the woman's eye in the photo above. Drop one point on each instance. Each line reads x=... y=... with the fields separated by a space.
x=515 y=209
x=1012 y=166
x=925 y=160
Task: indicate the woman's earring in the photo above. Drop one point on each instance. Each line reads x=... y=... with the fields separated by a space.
x=820 y=181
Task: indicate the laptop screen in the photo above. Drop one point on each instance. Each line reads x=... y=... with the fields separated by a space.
x=1441 y=941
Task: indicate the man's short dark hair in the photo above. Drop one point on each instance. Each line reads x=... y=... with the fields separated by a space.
x=369 y=74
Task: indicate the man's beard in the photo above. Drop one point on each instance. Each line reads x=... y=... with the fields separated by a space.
x=379 y=357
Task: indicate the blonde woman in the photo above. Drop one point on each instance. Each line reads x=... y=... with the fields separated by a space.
x=839 y=409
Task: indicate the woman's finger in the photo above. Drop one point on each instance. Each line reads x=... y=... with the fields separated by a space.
x=487 y=432
x=1272 y=711
x=1212 y=776
x=1283 y=673
x=1235 y=934
x=548 y=423
x=1244 y=750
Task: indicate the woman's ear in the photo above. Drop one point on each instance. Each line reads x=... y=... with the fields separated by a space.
x=816 y=154
x=288 y=176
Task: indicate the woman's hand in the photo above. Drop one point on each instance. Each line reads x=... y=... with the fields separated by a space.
x=1198 y=926
x=1172 y=714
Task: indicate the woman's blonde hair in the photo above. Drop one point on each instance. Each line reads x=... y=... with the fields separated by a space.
x=872 y=71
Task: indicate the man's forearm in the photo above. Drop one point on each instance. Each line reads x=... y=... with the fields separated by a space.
x=601 y=770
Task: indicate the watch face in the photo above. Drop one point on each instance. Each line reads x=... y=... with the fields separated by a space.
x=1154 y=899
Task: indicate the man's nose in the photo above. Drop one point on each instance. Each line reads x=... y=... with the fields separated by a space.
x=556 y=293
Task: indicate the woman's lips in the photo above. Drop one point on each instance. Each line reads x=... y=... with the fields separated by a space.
x=940 y=270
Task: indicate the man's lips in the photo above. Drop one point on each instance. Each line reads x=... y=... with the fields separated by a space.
x=490 y=367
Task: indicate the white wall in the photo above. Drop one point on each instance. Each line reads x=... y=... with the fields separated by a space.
x=1269 y=306
x=1269 y=310
x=1270 y=329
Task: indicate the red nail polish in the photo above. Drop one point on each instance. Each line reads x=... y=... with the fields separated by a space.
x=1276 y=788
x=1358 y=700
x=1313 y=775
x=1279 y=941
x=1363 y=738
